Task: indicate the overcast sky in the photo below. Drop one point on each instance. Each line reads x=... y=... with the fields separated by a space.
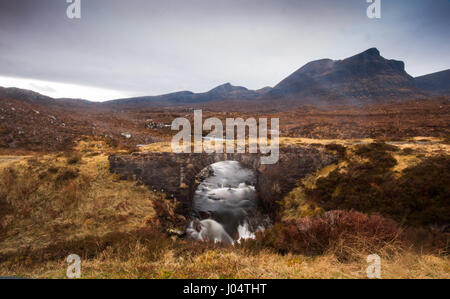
x=146 y=47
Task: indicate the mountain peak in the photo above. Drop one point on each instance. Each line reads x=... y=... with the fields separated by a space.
x=371 y=52
x=227 y=87
x=369 y=55
x=366 y=75
x=228 y=91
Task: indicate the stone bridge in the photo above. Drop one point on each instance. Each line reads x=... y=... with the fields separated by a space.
x=177 y=174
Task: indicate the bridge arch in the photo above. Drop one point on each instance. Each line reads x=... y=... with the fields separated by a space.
x=176 y=174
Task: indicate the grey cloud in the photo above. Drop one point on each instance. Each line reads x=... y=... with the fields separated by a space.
x=152 y=47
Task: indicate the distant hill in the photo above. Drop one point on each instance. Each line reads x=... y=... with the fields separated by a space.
x=35 y=98
x=24 y=94
x=361 y=79
x=436 y=83
x=365 y=77
x=220 y=93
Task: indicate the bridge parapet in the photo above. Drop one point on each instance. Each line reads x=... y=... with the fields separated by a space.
x=176 y=174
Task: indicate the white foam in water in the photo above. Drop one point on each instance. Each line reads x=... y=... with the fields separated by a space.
x=244 y=232
x=230 y=196
x=210 y=230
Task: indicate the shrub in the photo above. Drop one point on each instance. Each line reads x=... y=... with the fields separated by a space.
x=166 y=212
x=65 y=175
x=73 y=158
x=407 y=151
x=337 y=231
x=367 y=149
x=423 y=192
x=339 y=149
x=419 y=197
x=4 y=205
x=119 y=243
x=17 y=187
x=429 y=240
x=378 y=155
x=111 y=142
x=52 y=169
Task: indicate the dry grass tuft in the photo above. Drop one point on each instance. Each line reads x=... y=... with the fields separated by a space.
x=48 y=201
x=341 y=233
x=50 y=208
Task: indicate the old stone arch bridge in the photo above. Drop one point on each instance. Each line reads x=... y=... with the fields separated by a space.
x=176 y=174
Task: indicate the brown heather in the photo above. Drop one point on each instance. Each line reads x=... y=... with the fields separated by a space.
x=50 y=208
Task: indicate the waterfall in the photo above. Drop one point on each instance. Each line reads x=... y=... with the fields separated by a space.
x=223 y=204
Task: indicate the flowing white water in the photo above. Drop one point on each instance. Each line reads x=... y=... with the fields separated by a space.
x=223 y=204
